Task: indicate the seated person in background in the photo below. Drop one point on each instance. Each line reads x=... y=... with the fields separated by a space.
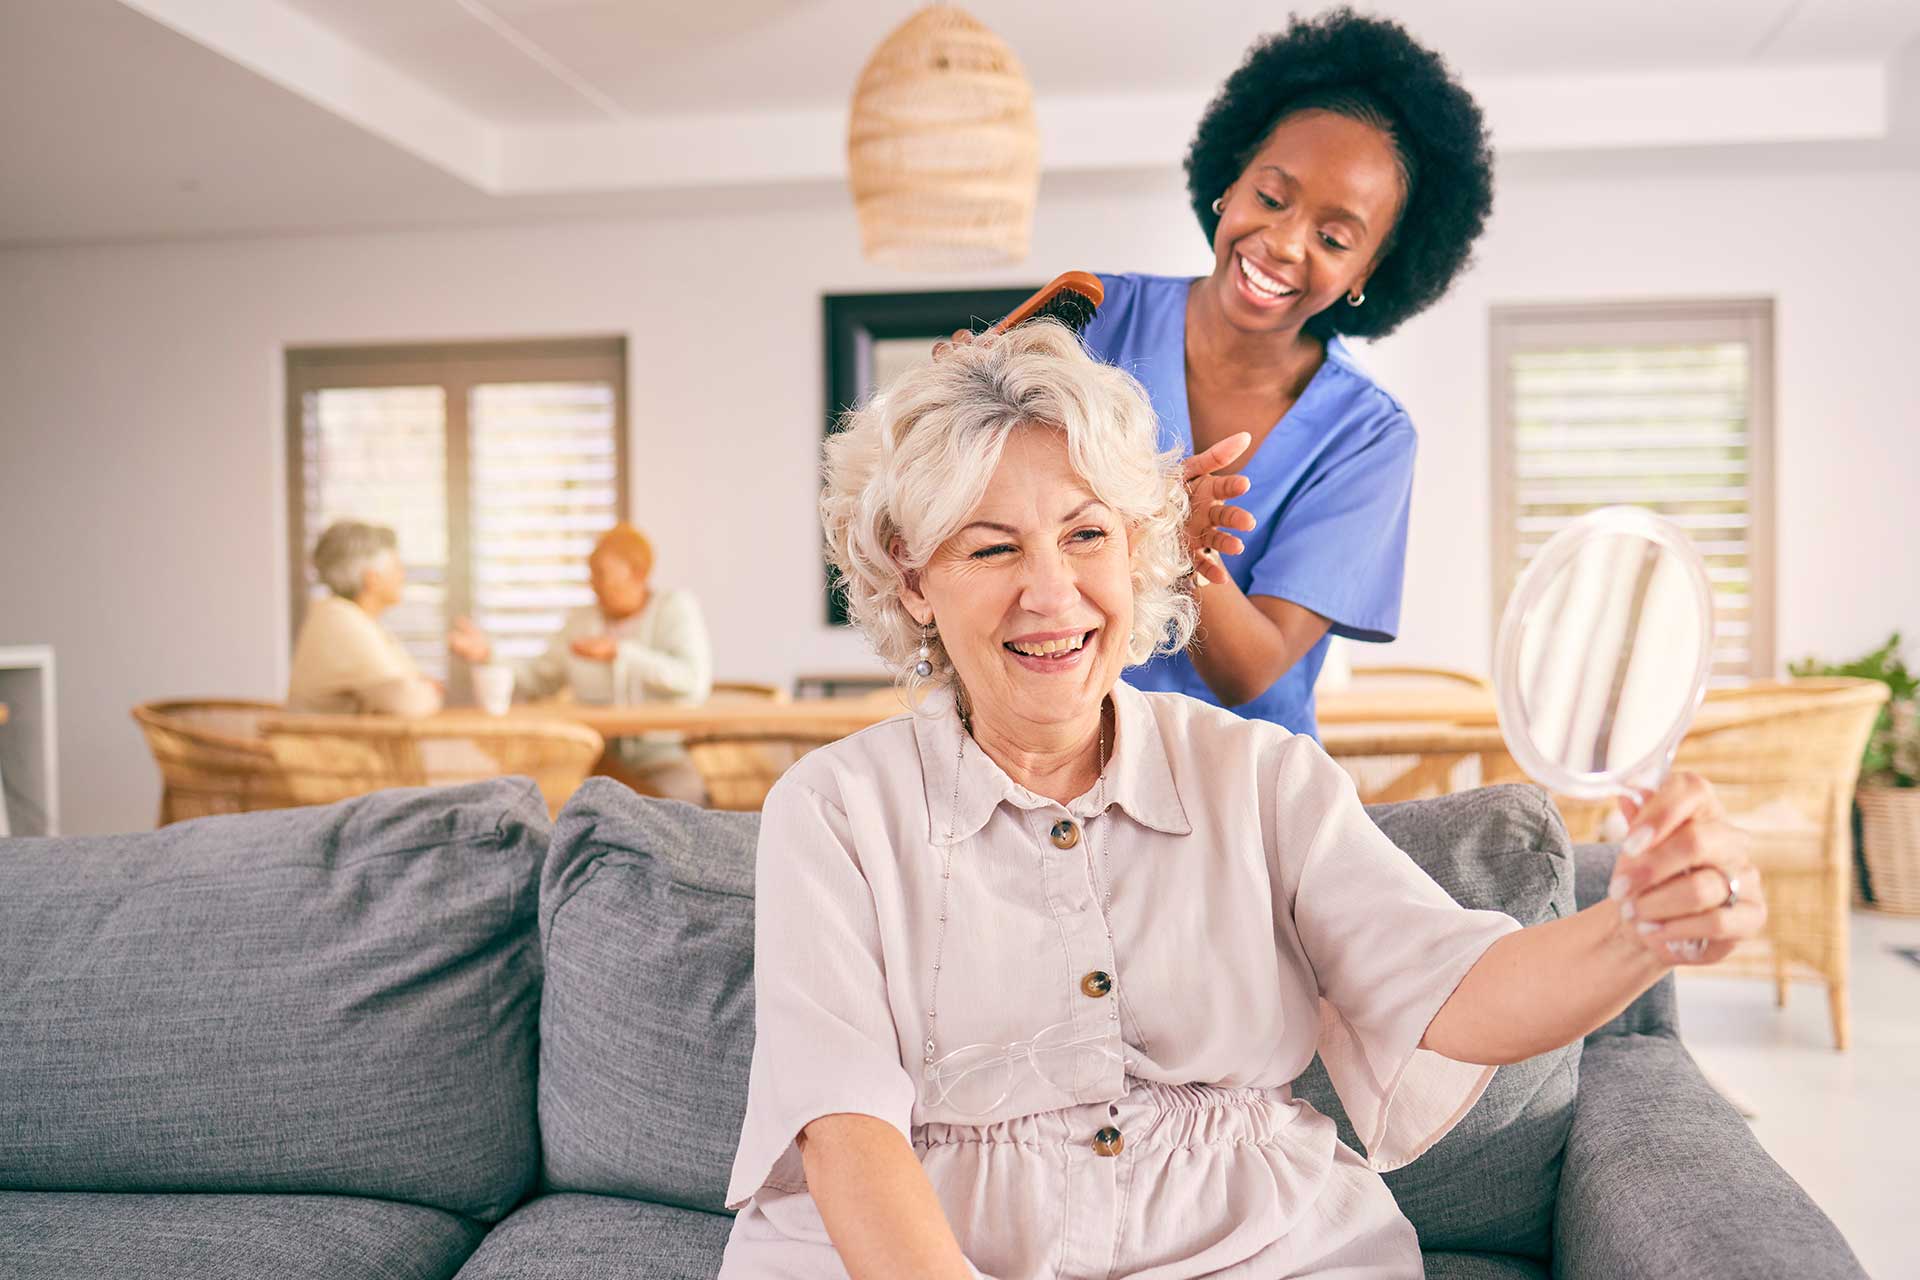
x=634 y=644
x=345 y=661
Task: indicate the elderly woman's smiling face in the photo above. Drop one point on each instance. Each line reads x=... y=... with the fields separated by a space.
x=1033 y=597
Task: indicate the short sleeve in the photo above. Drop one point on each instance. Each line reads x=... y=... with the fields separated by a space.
x=1340 y=548
x=1387 y=946
x=824 y=1032
x=1098 y=333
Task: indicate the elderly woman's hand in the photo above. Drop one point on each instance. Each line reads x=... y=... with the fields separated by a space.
x=468 y=643
x=1684 y=874
x=595 y=648
x=1210 y=519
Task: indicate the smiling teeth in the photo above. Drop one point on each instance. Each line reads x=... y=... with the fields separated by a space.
x=1262 y=282
x=1050 y=647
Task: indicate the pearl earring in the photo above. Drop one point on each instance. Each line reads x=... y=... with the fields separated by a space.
x=924 y=667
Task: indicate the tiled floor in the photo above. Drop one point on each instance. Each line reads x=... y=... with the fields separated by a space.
x=1846 y=1125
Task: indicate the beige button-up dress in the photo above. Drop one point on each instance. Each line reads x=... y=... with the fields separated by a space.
x=1257 y=916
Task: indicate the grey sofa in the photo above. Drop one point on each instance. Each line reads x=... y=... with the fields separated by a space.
x=422 y=1034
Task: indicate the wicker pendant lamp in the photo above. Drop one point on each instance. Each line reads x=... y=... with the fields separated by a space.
x=942 y=150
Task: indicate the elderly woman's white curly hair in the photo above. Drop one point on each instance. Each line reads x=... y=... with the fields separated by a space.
x=907 y=468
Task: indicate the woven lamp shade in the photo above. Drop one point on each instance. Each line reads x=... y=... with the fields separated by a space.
x=943 y=153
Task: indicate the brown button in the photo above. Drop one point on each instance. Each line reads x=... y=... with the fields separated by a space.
x=1108 y=1142
x=1065 y=834
x=1096 y=984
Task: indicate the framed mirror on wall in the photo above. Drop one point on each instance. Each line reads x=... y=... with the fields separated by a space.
x=872 y=338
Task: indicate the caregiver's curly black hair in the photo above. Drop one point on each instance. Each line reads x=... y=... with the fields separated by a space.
x=1372 y=70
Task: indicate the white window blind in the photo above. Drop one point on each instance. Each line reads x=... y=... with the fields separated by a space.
x=496 y=465
x=546 y=483
x=380 y=454
x=1663 y=406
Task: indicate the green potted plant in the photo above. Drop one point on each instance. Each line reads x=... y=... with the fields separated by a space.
x=1888 y=798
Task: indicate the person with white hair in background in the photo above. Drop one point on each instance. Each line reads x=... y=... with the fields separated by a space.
x=345 y=661
x=1036 y=965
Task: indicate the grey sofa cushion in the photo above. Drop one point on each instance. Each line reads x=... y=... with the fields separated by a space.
x=646 y=1024
x=53 y=1235
x=580 y=1237
x=1656 y=1010
x=1481 y=1266
x=333 y=1000
x=1663 y=1178
x=1489 y=1184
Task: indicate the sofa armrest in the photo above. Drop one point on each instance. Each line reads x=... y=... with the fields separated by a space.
x=1655 y=1013
x=1592 y=868
x=1663 y=1178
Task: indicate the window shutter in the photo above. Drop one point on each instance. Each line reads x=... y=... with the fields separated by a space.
x=1604 y=409
x=545 y=480
x=496 y=465
x=379 y=454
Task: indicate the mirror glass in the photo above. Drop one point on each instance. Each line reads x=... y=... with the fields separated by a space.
x=1604 y=652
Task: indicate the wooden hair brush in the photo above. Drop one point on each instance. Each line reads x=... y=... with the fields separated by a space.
x=1071 y=299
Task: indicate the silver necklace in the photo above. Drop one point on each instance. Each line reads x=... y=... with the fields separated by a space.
x=946 y=873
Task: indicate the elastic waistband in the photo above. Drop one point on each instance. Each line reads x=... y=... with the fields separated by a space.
x=1149 y=1113
x=1201 y=1097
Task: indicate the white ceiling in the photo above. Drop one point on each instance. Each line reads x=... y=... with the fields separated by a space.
x=154 y=118
x=654 y=57
x=116 y=127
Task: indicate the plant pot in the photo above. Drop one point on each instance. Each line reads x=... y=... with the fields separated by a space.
x=1890 y=844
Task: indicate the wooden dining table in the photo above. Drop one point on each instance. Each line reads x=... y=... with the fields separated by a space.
x=1422 y=738
x=1348 y=707
x=1412 y=719
x=802 y=717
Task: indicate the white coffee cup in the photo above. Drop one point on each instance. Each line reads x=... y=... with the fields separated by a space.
x=493 y=687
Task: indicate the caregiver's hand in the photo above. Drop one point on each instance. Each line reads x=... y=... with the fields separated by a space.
x=1211 y=522
x=1684 y=873
x=958 y=338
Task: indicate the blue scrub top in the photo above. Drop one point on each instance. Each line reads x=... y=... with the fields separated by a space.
x=1332 y=484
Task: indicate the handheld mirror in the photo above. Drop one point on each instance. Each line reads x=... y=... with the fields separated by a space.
x=1603 y=654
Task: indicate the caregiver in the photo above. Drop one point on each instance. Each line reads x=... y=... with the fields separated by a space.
x=1342 y=176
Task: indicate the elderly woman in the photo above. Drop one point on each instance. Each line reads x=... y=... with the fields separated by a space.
x=344 y=659
x=1036 y=966
x=633 y=644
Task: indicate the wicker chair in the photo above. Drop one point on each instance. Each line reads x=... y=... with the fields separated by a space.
x=1785 y=759
x=212 y=757
x=741 y=766
x=1420 y=675
x=847 y=684
x=328 y=758
x=1442 y=760
x=743 y=690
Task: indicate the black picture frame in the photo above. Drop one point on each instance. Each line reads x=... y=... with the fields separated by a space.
x=855 y=322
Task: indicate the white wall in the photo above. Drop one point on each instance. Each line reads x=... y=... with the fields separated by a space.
x=1835 y=252
x=142 y=508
